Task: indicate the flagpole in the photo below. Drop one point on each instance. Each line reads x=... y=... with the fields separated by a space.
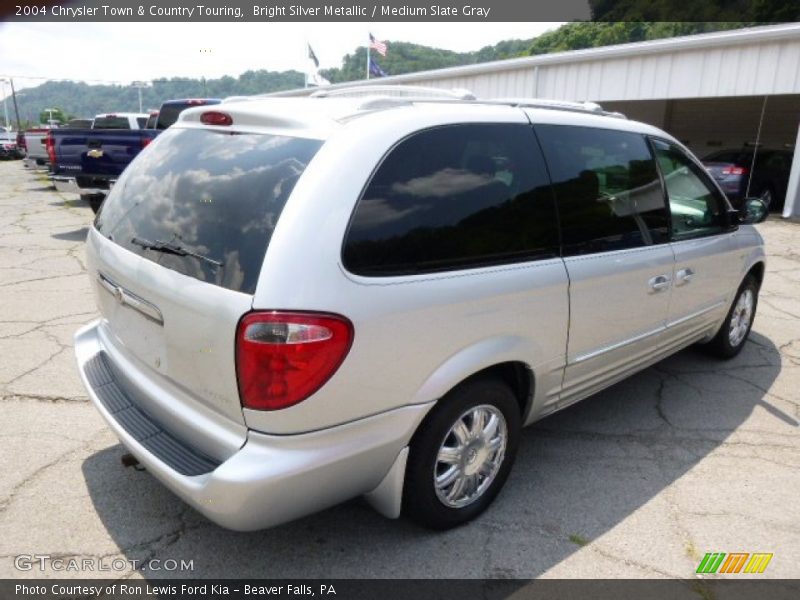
x=305 y=79
x=368 y=42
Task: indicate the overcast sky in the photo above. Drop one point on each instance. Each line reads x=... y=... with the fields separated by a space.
x=125 y=52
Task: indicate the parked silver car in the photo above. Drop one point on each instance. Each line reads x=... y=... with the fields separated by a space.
x=307 y=300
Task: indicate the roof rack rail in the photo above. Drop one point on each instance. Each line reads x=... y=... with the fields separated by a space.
x=400 y=91
x=377 y=97
x=585 y=107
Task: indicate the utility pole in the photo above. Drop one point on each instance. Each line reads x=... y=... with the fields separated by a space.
x=16 y=108
x=26 y=112
x=5 y=106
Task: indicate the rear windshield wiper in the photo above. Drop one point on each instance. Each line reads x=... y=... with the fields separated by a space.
x=172 y=248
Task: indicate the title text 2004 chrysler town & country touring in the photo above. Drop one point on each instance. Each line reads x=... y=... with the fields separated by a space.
x=307 y=300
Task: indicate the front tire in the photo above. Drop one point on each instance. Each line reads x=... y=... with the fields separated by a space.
x=462 y=454
x=731 y=337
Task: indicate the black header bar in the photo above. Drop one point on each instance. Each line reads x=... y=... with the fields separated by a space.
x=444 y=11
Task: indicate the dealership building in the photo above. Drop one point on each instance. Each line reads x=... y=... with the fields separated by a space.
x=715 y=91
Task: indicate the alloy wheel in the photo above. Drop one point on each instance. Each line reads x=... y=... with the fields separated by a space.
x=470 y=456
x=741 y=317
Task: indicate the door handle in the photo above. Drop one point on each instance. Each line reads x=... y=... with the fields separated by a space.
x=684 y=276
x=658 y=283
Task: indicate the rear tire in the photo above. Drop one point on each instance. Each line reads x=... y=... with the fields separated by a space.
x=731 y=337
x=462 y=454
x=94 y=200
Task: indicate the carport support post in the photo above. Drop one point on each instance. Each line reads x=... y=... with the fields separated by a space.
x=791 y=207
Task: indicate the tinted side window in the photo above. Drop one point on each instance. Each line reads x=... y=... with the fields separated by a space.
x=459 y=196
x=696 y=206
x=607 y=187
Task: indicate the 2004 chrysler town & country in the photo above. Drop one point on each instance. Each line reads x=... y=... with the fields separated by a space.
x=307 y=300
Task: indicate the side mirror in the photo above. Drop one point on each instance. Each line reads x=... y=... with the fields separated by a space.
x=754 y=211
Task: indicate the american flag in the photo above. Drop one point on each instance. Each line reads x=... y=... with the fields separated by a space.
x=377 y=45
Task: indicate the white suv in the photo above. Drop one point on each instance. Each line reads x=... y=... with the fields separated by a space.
x=307 y=300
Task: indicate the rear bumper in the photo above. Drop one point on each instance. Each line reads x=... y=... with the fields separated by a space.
x=270 y=479
x=65 y=185
x=35 y=163
x=69 y=185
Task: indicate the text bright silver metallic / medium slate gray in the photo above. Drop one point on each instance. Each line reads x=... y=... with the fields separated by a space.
x=307 y=300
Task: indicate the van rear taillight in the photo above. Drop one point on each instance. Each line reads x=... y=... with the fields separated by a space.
x=282 y=358
x=214 y=117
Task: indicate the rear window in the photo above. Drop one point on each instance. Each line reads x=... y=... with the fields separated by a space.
x=78 y=124
x=111 y=123
x=169 y=113
x=210 y=199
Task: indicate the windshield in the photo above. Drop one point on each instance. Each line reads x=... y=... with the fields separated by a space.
x=210 y=199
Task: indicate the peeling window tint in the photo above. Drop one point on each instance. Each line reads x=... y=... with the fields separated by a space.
x=217 y=195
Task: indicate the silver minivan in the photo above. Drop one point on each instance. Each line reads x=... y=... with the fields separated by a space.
x=305 y=300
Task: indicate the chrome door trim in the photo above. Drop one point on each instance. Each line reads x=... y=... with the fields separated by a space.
x=602 y=350
x=695 y=314
x=127 y=298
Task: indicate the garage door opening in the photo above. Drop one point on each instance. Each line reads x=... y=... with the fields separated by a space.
x=724 y=132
